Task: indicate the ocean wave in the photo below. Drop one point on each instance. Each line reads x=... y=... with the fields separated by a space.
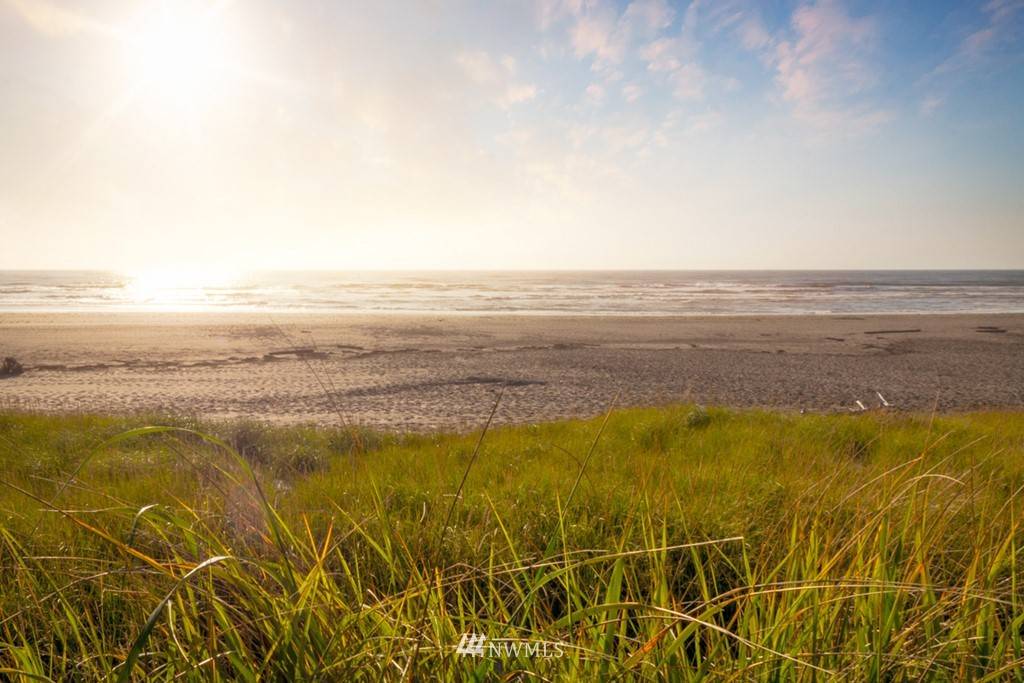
x=590 y=293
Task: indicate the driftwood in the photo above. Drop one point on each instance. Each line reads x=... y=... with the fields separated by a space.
x=11 y=368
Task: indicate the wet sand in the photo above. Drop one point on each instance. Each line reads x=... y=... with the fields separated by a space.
x=424 y=372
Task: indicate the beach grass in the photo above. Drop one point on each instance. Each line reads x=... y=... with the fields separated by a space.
x=673 y=544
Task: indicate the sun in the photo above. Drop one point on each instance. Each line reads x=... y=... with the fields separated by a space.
x=185 y=287
x=180 y=54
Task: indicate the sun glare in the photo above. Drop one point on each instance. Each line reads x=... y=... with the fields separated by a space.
x=176 y=287
x=180 y=55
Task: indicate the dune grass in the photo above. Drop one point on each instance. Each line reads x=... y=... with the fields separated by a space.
x=669 y=544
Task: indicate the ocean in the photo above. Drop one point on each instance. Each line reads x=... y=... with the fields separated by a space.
x=521 y=292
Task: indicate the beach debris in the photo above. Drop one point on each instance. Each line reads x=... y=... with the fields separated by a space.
x=910 y=331
x=300 y=353
x=882 y=399
x=11 y=367
x=990 y=329
x=506 y=381
x=861 y=405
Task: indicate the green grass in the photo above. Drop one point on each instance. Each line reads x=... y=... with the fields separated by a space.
x=668 y=544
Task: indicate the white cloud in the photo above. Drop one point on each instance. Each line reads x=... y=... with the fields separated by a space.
x=660 y=55
x=674 y=58
x=689 y=30
x=595 y=93
x=631 y=92
x=597 y=31
x=677 y=125
x=1001 y=10
x=1002 y=25
x=517 y=93
x=595 y=34
x=753 y=35
x=611 y=138
x=496 y=76
x=653 y=15
x=688 y=82
x=550 y=12
x=624 y=138
x=702 y=123
x=826 y=67
x=742 y=19
x=479 y=66
x=600 y=32
x=827 y=57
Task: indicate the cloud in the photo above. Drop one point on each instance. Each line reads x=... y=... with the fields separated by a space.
x=595 y=93
x=702 y=123
x=52 y=20
x=824 y=70
x=743 y=20
x=601 y=33
x=675 y=58
x=516 y=93
x=827 y=57
x=689 y=29
x=822 y=62
x=753 y=35
x=1001 y=10
x=631 y=92
x=995 y=37
x=688 y=82
x=550 y=12
x=661 y=55
x=595 y=34
x=653 y=15
x=597 y=31
x=611 y=138
x=479 y=67
x=1001 y=28
x=678 y=125
x=496 y=76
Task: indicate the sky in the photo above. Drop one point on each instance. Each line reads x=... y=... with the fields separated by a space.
x=528 y=134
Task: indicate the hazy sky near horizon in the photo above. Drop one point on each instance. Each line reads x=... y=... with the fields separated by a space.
x=511 y=134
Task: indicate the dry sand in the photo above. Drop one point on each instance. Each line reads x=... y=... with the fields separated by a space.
x=427 y=372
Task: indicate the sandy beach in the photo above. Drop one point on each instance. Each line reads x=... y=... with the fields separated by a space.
x=431 y=372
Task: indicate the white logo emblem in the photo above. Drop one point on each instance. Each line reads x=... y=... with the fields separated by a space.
x=471 y=644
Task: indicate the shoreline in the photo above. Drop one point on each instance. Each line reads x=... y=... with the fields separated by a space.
x=416 y=372
x=346 y=313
